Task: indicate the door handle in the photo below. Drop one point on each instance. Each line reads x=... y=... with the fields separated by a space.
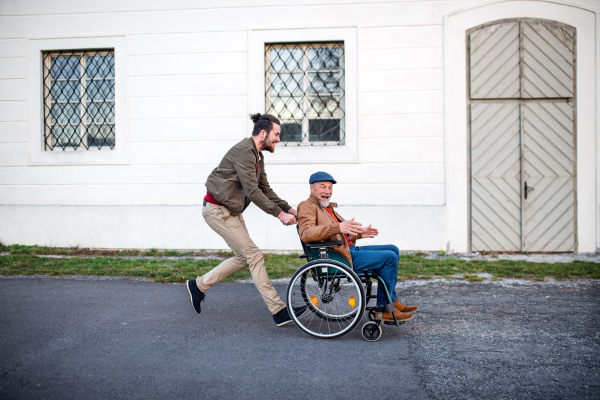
x=527 y=189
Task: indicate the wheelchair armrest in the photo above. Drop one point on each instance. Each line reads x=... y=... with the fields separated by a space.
x=324 y=244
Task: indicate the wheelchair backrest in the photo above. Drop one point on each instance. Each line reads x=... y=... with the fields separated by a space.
x=304 y=248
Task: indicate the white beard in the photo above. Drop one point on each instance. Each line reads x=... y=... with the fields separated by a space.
x=324 y=204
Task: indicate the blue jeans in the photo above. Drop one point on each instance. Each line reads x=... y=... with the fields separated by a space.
x=380 y=259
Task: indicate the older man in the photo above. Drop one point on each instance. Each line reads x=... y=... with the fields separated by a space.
x=318 y=222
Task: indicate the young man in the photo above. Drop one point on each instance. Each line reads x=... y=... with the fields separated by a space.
x=318 y=222
x=240 y=179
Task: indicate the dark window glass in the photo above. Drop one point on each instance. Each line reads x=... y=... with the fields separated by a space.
x=79 y=100
x=324 y=130
x=291 y=132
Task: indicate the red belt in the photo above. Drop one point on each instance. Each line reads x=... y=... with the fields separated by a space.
x=211 y=199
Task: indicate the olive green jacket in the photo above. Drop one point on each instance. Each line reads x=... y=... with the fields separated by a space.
x=237 y=181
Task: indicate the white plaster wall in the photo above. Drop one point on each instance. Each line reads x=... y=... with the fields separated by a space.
x=182 y=227
x=187 y=104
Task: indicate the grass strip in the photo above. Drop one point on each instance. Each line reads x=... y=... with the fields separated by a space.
x=86 y=252
x=411 y=266
x=159 y=269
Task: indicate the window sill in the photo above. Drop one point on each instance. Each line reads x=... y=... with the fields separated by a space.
x=312 y=154
x=82 y=157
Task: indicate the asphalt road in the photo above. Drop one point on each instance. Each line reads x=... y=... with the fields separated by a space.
x=119 y=339
x=497 y=341
x=98 y=339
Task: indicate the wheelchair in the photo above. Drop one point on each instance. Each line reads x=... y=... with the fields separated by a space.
x=326 y=298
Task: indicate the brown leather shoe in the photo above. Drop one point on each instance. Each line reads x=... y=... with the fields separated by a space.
x=405 y=309
x=400 y=316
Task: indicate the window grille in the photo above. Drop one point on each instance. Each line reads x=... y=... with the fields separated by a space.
x=79 y=100
x=304 y=85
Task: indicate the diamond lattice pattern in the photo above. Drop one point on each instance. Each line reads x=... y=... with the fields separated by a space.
x=305 y=90
x=79 y=100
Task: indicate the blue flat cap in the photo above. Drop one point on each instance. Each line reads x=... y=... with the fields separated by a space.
x=320 y=177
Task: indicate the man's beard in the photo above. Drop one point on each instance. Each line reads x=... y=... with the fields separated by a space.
x=266 y=144
x=325 y=203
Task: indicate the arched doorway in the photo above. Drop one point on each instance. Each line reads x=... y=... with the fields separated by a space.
x=522 y=136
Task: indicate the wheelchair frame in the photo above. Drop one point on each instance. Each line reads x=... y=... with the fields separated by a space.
x=327 y=270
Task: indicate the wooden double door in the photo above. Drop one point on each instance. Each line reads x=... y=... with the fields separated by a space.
x=522 y=137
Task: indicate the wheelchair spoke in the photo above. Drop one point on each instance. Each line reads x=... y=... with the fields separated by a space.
x=311 y=307
x=331 y=295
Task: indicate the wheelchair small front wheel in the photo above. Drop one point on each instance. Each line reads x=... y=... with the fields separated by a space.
x=371 y=331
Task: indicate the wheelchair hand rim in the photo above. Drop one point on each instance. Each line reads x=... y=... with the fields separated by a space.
x=323 y=313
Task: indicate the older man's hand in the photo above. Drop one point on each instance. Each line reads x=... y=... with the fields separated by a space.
x=369 y=232
x=350 y=227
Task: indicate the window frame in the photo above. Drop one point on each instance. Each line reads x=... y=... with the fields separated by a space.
x=305 y=123
x=349 y=35
x=38 y=154
x=83 y=99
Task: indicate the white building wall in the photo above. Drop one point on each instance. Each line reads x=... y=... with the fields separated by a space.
x=188 y=103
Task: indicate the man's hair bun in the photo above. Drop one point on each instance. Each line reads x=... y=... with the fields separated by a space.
x=255 y=117
x=265 y=124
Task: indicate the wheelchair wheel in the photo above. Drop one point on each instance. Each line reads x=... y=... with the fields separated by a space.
x=326 y=299
x=371 y=331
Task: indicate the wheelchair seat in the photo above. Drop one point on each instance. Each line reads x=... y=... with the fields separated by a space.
x=326 y=298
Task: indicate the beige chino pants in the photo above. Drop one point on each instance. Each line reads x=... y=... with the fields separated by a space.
x=233 y=230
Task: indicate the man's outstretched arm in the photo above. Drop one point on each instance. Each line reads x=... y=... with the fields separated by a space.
x=311 y=232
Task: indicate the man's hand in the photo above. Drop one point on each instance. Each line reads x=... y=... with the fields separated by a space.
x=350 y=227
x=369 y=232
x=293 y=212
x=286 y=219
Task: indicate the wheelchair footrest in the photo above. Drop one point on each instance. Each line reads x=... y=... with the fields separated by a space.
x=393 y=323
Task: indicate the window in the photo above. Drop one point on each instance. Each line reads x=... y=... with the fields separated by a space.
x=304 y=85
x=79 y=100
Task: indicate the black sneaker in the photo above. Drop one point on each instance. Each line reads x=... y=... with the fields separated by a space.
x=283 y=316
x=196 y=296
